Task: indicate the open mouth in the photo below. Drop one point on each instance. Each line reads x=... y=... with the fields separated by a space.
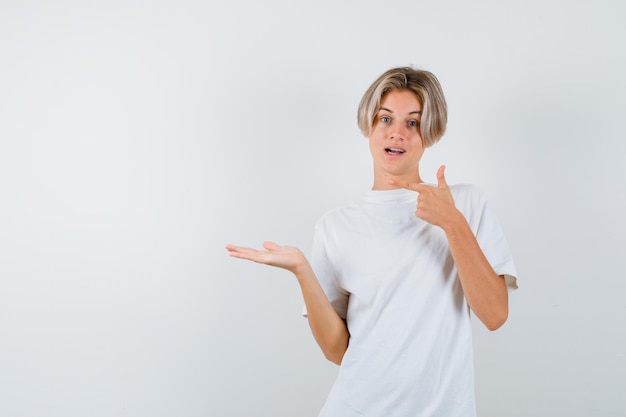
x=394 y=151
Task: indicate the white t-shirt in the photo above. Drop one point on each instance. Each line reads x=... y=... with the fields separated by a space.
x=391 y=276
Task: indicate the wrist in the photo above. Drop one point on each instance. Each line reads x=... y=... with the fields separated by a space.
x=455 y=224
x=302 y=270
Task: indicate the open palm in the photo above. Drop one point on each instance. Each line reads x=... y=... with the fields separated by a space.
x=286 y=257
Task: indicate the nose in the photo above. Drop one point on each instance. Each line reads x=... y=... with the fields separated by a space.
x=398 y=132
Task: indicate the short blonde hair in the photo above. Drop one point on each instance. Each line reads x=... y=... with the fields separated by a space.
x=428 y=91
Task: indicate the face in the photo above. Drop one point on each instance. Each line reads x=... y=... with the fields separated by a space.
x=395 y=141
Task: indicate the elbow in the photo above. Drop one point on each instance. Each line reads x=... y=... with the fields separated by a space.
x=495 y=321
x=333 y=340
x=336 y=359
x=334 y=355
x=494 y=325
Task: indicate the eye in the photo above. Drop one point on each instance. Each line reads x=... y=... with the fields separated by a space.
x=385 y=119
x=413 y=123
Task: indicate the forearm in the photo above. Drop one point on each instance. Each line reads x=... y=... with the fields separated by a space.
x=329 y=330
x=484 y=290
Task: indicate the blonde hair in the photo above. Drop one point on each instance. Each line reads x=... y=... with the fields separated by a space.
x=428 y=91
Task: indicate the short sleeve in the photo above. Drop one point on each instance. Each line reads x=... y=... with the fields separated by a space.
x=326 y=274
x=491 y=238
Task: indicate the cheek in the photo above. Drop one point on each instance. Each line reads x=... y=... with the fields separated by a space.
x=374 y=145
x=370 y=143
x=419 y=140
x=375 y=130
x=374 y=137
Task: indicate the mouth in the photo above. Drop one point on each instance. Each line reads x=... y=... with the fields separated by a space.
x=394 y=151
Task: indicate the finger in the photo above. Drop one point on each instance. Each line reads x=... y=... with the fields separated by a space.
x=421 y=187
x=233 y=248
x=399 y=184
x=441 y=177
x=240 y=251
x=413 y=186
x=271 y=246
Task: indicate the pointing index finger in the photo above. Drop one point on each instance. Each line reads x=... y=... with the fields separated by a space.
x=413 y=186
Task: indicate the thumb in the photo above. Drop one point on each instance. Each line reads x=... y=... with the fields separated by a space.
x=441 y=178
x=270 y=246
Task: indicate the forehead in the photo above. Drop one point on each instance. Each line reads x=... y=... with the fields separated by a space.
x=401 y=100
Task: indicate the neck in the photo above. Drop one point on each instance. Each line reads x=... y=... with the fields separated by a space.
x=381 y=182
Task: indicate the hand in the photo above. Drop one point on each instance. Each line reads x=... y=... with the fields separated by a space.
x=286 y=257
x=435 y=205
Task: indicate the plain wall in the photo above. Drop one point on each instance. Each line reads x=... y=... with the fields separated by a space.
x=137 y=138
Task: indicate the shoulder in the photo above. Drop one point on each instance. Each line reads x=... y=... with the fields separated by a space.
x=349 y=217
x=465 y=189
x=469 y=199
x=337 y=216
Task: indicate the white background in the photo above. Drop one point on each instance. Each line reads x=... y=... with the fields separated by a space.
x=137 y=138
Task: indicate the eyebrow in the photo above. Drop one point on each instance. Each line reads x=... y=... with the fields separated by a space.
x=386 y=109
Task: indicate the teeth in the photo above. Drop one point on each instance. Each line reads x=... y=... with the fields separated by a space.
x=396 y=150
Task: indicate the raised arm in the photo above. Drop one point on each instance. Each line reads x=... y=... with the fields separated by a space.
x=484 y=290
x=329 y=330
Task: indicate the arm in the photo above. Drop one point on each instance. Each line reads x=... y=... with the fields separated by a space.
x=484 y=290
x=329 y=330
